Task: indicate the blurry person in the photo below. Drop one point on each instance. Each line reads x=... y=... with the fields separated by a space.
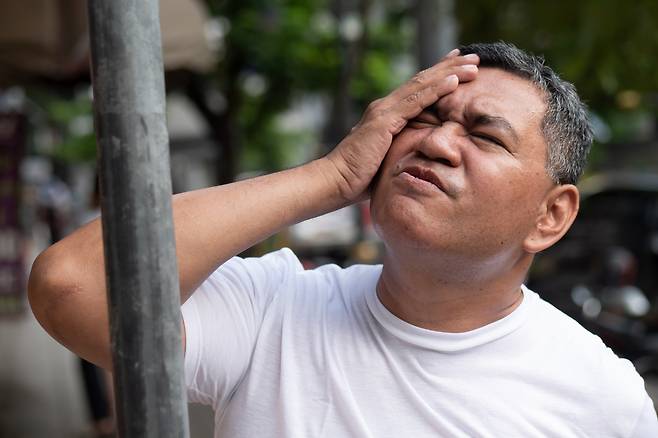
x=470 y=167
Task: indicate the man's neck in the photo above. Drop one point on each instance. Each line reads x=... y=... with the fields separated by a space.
x=437 y=297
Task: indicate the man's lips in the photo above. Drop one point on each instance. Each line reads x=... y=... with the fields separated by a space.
x=426 y=174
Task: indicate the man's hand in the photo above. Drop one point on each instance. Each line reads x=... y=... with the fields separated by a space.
x=358 y=157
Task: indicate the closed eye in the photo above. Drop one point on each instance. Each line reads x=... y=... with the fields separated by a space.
x=488 y=139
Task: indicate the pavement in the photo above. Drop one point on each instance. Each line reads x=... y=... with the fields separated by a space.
x=41 y=392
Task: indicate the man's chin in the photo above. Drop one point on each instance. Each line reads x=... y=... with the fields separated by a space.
x=399 y=228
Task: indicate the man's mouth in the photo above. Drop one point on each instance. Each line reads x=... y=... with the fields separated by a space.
x=425 y=174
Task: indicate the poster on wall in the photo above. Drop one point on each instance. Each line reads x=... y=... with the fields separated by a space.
x=12 y=269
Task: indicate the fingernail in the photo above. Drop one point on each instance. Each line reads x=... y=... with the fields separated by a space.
x=452 y=78
x=453 y=52
x=471 y=57
x=470 y=67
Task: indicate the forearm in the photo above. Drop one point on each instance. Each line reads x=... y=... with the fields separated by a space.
x=67 y=284
x=213 y=224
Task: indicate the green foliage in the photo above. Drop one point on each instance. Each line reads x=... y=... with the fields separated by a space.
x=77 y=148
x=70 y=122
x=388 y=40
x=292 y=47
x=605 y=47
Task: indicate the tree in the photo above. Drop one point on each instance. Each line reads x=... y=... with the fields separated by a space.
x=276 y=51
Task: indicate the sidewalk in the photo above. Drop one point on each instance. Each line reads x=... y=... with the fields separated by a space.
x=41 y=388
x=41 y=393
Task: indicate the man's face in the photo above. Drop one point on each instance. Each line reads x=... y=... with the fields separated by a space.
x=468 y=175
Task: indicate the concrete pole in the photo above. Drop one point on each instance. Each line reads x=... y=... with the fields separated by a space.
x=140 y=259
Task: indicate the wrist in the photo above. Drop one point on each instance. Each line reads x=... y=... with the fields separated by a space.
x=340 y=177
x=336 y=178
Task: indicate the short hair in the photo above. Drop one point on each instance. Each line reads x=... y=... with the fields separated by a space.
x=565 y=125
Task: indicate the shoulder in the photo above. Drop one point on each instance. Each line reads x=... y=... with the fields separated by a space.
x=331 y=286
x=282 y=275
x=281 y=262
x=610 y=384
x=245 y=284
x=261 y=273
x=584 y=349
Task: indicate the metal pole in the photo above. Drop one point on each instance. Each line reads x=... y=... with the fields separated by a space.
x=140 y=257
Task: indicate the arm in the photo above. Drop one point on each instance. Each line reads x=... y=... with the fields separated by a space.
x=67 y=283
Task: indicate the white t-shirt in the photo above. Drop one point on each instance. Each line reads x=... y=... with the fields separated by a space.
x=278 y=351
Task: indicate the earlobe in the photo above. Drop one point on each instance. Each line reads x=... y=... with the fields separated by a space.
x=559 y=210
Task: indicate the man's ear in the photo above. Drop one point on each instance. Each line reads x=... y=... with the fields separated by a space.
x=558 y=211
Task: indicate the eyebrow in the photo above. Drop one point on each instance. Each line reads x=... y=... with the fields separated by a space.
x=481 y=119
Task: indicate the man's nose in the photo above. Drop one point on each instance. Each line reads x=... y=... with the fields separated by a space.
x=443 y=144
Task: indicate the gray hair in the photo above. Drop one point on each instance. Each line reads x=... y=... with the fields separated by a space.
x=565 y=125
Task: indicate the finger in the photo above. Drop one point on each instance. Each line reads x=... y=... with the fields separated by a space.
x=465 y=73
x=448 y=63
x=470 y=58
x=429 y=78
x=413 y=104
x=451 y=61
x=436 y=73
x=451 y=54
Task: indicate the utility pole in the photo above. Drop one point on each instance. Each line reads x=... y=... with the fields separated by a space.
x=140 y=259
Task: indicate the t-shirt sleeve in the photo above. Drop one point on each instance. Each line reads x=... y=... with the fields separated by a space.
x=222 y=319
x=647 y=423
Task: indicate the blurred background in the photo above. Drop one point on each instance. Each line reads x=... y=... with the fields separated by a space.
x=255 y=86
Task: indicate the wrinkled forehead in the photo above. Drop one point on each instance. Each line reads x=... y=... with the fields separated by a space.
x=496 y=93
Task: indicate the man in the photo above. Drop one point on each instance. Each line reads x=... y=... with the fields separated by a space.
x=470 y=167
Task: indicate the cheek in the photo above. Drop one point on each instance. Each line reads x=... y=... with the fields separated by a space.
x=400 y=146
x=506 y=197
x=502 y=177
